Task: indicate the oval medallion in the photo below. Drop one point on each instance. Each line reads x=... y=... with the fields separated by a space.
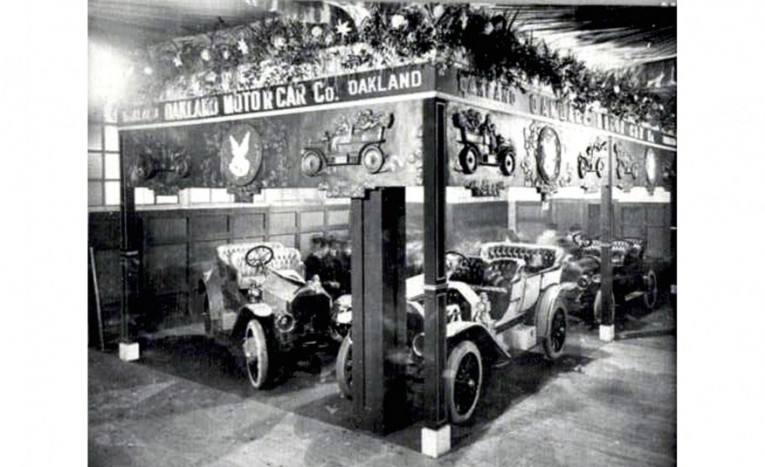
x=241 y=154
x=548 y=154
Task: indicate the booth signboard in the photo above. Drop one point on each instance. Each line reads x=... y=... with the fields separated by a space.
x=347 y=133
x=342 y=151
x=285 y=97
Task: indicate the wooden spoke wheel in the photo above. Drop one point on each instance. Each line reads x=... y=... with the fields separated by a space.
x=256 y=355
x=464 y=370
x=344 y=368
x=555 y=341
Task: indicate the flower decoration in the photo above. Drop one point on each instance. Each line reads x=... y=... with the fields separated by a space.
x=391 y=34
x=244 y=49
x=398 y=22
x=343 y=29
x=438 y=11
x=279 y=42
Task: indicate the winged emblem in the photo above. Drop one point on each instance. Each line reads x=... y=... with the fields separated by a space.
x=239 y=165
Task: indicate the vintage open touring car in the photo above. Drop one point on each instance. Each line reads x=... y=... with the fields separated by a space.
x=633 y=278
x=506 y=299
x=257 y=302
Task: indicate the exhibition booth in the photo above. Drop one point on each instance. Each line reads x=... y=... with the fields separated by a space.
x=394 y=142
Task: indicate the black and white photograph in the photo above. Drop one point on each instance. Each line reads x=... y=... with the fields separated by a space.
x=346 y=233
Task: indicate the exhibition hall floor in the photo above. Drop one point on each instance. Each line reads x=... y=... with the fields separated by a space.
x=185 y=403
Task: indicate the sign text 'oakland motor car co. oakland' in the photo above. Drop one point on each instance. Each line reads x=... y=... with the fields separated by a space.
x=304 y=94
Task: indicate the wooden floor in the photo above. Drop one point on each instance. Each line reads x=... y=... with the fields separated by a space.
x=186 y=403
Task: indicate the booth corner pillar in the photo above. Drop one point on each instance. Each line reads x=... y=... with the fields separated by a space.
x=129 y=258
x=436 y=435
x=607 y=328
x=378 y=235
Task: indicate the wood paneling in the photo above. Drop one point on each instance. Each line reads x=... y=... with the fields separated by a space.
x=164 y=230
x=178 y=244
x=286 y=240
x=311 y=220
x=208 y=227
x=165 y=268
x=109 y=275
x=247 y=225
x=336 y=217
x=282 y=222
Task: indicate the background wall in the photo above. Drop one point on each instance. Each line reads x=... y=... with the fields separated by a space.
x=178 y=242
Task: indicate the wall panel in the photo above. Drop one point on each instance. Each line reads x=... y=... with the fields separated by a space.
x=179 y=243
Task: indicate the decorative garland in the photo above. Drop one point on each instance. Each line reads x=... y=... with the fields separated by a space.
x=286 y=50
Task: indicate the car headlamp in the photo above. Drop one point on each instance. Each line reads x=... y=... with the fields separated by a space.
x=285 y=323
x=418 y=343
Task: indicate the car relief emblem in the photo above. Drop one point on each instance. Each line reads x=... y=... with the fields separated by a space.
x=241 y=154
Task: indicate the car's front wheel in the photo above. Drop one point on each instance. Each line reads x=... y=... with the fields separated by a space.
x=650 y=298
x=256 y=354
x=555 y=341
x=344 y=368
x=464 y=370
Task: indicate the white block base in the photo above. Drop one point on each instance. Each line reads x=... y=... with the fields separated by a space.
x=607 y=333
x=436 y=442
x=129 y=351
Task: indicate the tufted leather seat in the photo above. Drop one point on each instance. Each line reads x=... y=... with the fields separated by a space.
x=470 y=271
x=284 y=259
x=537 y=258
x=501 y=272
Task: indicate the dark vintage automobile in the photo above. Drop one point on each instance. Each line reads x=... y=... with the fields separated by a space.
x=633 y=278
x=350 y=143
x=257 y=302
x=481 y=145
x=503 y=301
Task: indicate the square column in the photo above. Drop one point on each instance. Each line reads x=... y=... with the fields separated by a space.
x=378 y=228
x=436 y=436
x=607 y=331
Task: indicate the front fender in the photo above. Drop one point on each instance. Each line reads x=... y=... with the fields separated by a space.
x=477 y=333
x=261 y=310
x=543 y=310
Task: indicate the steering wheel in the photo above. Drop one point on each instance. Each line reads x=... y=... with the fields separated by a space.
x=454 y=260
x=581 y=240
x=259 y=256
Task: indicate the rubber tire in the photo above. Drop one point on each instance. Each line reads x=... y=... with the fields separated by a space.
x=581 y=165
x=456 y=356
x=551 y=353
x=319 y=167
x=372 y=169
x=596 y=306
x=504 y=157
x=651 y=304
x=262 y=378
x=468 y=167
x=344 y=368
